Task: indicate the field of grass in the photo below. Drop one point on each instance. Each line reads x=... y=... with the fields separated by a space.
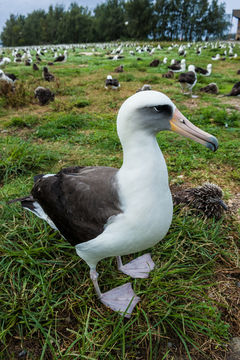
x=189 y=305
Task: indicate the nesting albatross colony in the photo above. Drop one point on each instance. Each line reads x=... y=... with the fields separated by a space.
x=182 y=302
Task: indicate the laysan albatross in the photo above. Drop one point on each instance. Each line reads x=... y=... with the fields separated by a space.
x=61 y=58
x=105 y=211
x=188 y=80
x=204 y=72
x=111 y=83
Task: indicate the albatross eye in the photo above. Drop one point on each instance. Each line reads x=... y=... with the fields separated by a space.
x=167 y=109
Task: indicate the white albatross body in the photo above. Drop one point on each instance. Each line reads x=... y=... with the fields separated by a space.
x=146 y=203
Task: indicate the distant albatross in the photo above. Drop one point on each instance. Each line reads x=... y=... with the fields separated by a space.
x=47 y=75
x=188 y=80
x=111 y=83
x=235 y=90
x=178 y=67
x=9 y=78
x=104 y=211
x=204 y=72
x=61 y=58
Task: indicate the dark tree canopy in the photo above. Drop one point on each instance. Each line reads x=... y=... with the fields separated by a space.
x=119 y=19
x=109 y=21
x=139 y=14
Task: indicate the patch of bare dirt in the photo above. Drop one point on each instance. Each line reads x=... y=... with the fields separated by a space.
x=226 y=294
x=89 y=53
x=234 y=353
x=234 y=205
x=233 y=101
x=191 y=103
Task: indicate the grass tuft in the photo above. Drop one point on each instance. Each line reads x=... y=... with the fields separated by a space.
x=62 y=126
x=27 y=121
x=20 y=157
x=17 y=96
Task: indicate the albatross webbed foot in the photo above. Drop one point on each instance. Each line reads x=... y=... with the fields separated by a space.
x=137 y=268
x=121 y=298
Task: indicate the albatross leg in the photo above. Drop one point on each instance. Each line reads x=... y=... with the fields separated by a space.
x=184 y=89
x=121 y=299
x=193 y=96
x=137 y=268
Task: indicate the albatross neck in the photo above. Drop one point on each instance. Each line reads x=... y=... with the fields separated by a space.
x=141 y=151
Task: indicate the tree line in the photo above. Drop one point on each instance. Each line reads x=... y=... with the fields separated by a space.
x=119 y=20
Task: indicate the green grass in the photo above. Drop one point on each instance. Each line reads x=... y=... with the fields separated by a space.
x=27 y=121
x=61 y=126
x=21 y=157
x=48 y=307
x=221 y=117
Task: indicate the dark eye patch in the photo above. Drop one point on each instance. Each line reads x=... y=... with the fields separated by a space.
x=166 y=109
x=163 y=108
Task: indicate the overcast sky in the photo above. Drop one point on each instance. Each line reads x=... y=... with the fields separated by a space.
x=24 y=7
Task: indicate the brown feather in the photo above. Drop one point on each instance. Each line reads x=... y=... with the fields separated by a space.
x=79 y=200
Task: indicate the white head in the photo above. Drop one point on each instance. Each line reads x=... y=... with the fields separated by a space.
x=141 y=112
x=39 y=88
x=146 y=87
x=109 y=77
x=191 y=68
x=183 y=65
x=148 y=112
x=209 y=67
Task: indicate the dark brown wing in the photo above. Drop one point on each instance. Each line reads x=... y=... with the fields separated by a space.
x=237 y=85
x=108 y=82
x=188 y=77
x=175 y=67
x=79 y=200
x=235 y=90
x=201 y=70
x=59 y=58
x=115 y=82
x=11 y=76
x=211 y=88
x=154 y=63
